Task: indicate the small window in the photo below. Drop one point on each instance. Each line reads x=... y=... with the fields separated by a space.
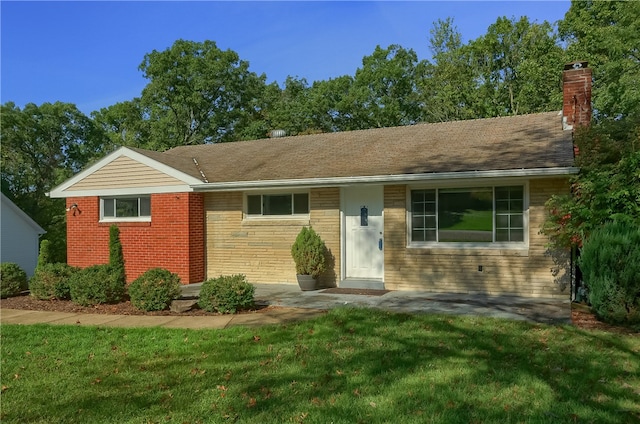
x=126 y=207
x=278 y=204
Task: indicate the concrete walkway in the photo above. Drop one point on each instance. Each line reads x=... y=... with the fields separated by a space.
x=293 y=305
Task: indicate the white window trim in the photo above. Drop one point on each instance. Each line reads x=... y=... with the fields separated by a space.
x=523 y=245
x=123 y=218
x=247 y=217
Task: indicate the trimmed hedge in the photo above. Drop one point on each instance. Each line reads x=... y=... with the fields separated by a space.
x=154 y=290
x=226 y=294
x=51 y=281
x=97 y=284
x=13 y=279
x=610 y=264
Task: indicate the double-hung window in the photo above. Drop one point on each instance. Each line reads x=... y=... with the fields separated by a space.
x=126 y=208
x=281 y=204
x=467 y=215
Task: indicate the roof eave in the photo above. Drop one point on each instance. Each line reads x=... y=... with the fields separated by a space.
x=384 y=179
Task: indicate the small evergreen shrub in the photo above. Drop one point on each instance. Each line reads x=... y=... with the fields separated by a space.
x=226 y=294
x=116 y=257
x=44 y=256
x=610 y=264
x=95 y=285
x=308 y=252
x=154 y=290
x=51 y=281
x=13 y=279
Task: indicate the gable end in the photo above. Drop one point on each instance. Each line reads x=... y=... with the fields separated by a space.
x=125 y=172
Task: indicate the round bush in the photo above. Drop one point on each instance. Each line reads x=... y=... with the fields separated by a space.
x=51 y=281
x=154 y=290
x=95 y=285
x=13 y=279
x=226 y=294
x=610 y=264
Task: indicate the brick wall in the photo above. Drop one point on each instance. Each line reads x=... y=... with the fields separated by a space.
x=261 y=248
x=526 y=273
x=174 y=239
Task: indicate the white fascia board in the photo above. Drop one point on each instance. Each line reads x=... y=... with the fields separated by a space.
x=384 y=179
x=59 y=191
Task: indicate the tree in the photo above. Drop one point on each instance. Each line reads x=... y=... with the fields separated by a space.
x=518 y=65
x=331 y=105
x=198 y=94
x=607 y=34
x=384 y=91
x=41 y=147
x=448 y=88
x=289 y=108
x=125 y=124
x=607 y=187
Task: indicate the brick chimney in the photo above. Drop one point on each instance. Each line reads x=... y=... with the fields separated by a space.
x=576 y=95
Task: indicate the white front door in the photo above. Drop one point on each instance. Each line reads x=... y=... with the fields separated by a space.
x=363 y=232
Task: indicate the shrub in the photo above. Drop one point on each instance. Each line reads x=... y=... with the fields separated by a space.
x=154 y=290
x=226 y=294
x=95 y=285
x=51 y=281
x=308 y=252
x=13 y=279
x=610 y=264
x=116 y=257
x=44 y=256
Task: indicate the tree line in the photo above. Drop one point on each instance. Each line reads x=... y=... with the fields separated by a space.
x=197 y=93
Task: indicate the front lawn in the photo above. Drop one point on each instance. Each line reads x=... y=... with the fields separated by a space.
x=349 y=366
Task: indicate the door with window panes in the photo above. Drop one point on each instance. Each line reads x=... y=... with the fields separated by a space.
x=363 y=232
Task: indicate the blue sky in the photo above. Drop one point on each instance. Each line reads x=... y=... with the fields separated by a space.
x=88 y=53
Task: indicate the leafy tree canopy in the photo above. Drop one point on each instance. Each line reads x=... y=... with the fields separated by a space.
x=197 y=93
x=607 y=34
x=41 y=147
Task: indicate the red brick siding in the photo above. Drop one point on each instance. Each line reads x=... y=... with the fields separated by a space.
x=174 y=239
x=576 y=96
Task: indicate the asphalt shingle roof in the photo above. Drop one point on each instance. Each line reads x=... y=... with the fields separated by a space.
x=505 y=143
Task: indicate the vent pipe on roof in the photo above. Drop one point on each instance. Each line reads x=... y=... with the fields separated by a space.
x=277 y=133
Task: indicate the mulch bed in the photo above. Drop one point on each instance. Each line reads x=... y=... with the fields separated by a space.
x=122 y=308
x=581 y=316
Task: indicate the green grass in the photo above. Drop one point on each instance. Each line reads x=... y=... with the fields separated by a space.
x=471 y=220
x=349 y=366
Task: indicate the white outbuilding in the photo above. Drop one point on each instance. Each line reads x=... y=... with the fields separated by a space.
x=19 y=237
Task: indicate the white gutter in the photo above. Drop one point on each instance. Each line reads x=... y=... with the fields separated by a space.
x=383 y=179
